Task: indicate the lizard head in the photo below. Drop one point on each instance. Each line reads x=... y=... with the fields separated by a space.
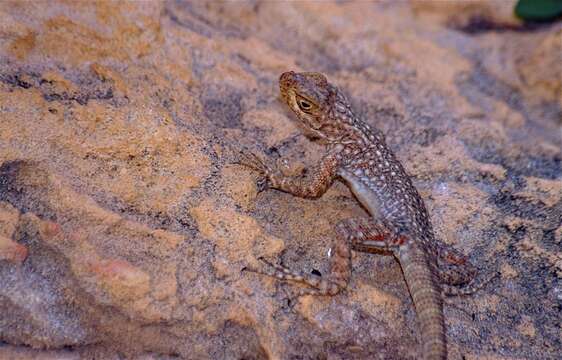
x=320 y=106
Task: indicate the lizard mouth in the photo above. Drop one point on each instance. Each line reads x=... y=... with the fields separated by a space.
x=286 y=82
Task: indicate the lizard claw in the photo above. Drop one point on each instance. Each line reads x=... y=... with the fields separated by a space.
x=277 y=267
x=262 y=184
x=254 y=162
x=316 y=284
x=447 y=290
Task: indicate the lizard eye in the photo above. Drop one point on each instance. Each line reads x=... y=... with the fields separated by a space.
x=304 y=105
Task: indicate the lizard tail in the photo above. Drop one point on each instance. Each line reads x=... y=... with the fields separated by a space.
x=427 y=300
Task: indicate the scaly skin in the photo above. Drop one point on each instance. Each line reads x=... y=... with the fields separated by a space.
x=358 y=155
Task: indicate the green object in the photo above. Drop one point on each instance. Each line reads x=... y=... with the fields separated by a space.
x=538 y=10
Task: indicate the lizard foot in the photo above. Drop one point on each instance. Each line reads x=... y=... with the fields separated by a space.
x=318 y=285
x=254 y=162
x=448 y=290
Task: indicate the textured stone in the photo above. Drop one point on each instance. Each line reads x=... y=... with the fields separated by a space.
x=125 y=225
x=12 y=251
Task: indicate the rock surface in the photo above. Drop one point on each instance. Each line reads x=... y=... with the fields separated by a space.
x=124 y=226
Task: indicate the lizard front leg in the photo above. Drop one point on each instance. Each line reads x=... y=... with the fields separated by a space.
x=312 y=185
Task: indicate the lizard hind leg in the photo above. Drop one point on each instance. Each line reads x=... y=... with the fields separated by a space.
x=453 y=267
x=283 y=273
x=370 y=235
x=469 y=289
x=331 y=284
x=457 y=274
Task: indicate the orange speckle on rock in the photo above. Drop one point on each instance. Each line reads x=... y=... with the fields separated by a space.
x=120 y=278
x=22 y=45
x=51 y=229
x=12 y=251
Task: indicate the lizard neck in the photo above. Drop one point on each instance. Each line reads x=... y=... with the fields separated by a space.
x=356 y=138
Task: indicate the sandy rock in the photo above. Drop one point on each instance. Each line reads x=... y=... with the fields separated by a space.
x=12 y=251
x=126 y=226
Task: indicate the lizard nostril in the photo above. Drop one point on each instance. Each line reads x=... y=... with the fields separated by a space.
x=286 y=77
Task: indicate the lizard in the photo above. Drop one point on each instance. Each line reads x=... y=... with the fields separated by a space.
x=357 y=154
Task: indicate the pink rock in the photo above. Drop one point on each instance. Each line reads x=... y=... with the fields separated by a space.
x=12 y=251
